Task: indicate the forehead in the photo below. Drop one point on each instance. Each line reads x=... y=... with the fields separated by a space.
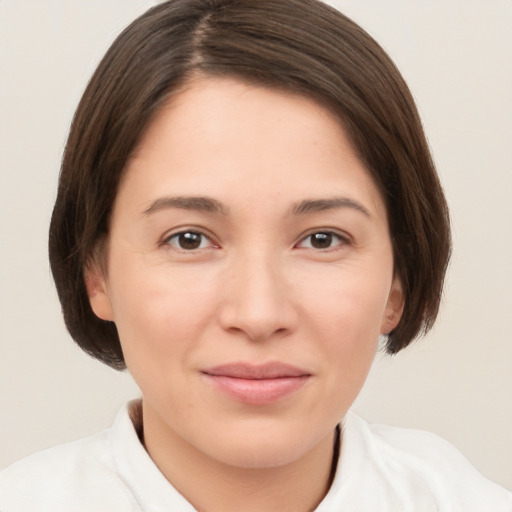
x=208 y=107
x=221 y=137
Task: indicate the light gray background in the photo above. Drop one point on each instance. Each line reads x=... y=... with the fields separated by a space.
x=457 y=58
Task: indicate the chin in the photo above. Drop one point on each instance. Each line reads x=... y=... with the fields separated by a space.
x=263 y=448
x=267 y=457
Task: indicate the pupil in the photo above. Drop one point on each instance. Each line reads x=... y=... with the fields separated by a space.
x=321 y=240
x=190 y=240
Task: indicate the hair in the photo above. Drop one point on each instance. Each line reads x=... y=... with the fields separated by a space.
x=301 y=46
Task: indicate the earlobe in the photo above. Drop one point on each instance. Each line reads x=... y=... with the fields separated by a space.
x=394 y=307
x=96 y=286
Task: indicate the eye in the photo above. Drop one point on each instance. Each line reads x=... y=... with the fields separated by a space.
x=189 y=241
x=322 y=240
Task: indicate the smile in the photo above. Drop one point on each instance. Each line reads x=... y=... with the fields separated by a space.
x=257 y=385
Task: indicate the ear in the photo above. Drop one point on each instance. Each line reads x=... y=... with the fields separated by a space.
x=394 y=307
x=97 y=290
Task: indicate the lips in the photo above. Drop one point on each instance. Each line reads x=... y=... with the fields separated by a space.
x=257 y=384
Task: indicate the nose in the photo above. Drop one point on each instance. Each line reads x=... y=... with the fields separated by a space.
x=257 y=300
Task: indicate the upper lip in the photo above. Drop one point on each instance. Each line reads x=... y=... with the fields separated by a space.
x=273 y=370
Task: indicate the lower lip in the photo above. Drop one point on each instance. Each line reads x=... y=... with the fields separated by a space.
x=258 y=391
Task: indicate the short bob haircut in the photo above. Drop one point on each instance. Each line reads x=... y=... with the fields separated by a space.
x=298 y=46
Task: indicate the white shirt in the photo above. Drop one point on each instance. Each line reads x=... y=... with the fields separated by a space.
x=381 y=469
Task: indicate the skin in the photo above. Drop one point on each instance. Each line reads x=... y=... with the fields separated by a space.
x=259 y=287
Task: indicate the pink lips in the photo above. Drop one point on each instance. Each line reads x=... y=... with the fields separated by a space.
x=257 y=385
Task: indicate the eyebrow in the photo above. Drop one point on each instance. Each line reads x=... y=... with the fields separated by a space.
x=319 y=205
x=205 y=204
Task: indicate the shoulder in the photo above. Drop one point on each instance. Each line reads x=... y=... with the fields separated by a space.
x=415 y=463
x=70 y=477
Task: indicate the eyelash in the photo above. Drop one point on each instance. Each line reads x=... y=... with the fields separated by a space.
x=192 y=234
x=325 y=235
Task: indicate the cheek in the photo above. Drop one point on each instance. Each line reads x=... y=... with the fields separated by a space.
x=346 y=304
x=343 y=332
x=343 y=313
x=160 y=314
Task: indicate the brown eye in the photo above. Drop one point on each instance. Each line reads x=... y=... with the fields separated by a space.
x=188 y=241
x=322 y=240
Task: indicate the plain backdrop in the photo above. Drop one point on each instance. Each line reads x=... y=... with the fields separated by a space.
x=457 y=382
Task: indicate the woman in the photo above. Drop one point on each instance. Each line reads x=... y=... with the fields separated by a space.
x=246 y=204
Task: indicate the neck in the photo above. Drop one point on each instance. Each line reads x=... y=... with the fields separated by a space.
x=213 y=486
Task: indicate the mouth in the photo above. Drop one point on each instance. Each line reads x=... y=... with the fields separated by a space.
x=257 y=384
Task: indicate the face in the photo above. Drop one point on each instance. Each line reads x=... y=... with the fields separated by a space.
x=249 y=272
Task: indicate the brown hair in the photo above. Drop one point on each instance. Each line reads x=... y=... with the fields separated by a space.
x=302 y=46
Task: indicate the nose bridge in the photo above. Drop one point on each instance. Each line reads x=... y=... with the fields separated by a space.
x=257 y=299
